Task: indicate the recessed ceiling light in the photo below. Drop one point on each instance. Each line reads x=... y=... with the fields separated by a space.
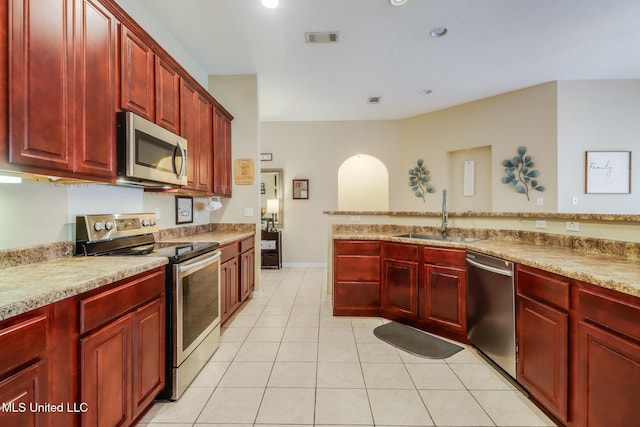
x=373 y=100
x=397 y=2
x=438 y=32
x=270 y=4
x=425 y=92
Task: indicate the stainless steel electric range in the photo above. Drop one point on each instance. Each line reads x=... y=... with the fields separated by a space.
x=193 y=287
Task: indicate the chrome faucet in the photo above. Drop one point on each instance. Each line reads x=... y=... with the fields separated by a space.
x=445 y=215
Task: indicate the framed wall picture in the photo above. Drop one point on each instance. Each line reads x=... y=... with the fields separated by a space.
x=184 y=209
x=607 y=172
x=300 y=188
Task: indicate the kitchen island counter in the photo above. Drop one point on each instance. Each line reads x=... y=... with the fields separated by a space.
x=614 y=272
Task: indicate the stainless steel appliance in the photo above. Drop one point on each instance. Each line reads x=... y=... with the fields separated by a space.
x=491 y=309
x=149 y=154
x=193 y=288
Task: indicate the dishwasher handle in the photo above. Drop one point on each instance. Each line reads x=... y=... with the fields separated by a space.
x=501 y=271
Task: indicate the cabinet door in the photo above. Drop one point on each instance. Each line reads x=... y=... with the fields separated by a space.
x=230 y=291
x=30 y=386
x=40 y=51
x=445 y=297
x=221 y=154
x=205 y=141
x=148 y=354
x=95 y=141
x=247 y=273
x=543 y=341
x=607 y=378
x=167 y=96
x=400 y=288
x=189 y=130
x=137 y=80
x=105 y=378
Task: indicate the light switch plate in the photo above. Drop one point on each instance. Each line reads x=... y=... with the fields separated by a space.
x=248 y=211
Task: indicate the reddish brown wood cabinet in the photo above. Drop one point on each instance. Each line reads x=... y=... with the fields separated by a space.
x=137 y=81
x=237 y=275
x=607 y=375
x=221 y=153
x=122 y=349
x=62 y=77
x=443 y=292
x=247 y=267
x=25 y=370
x=356 y=277
x=400 y=280
x=167 y=96
x=542 y=335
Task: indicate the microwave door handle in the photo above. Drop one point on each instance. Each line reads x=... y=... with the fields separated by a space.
x=183 y=154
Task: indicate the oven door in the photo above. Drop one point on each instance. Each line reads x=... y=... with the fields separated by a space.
x=196 y=303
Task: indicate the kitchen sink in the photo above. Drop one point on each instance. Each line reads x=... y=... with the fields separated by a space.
x=436 y=237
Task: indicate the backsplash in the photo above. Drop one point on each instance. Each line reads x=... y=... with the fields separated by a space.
x=37 y=253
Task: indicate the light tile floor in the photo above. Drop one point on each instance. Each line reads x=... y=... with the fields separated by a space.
x=285 y=360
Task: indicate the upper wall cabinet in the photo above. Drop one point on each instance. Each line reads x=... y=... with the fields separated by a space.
x=221 y=153
x=60 y=88
x=167 y=96
x=138 y=76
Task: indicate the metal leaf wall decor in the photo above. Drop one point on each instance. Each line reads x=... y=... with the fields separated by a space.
x=521 y=173
x=418 y=181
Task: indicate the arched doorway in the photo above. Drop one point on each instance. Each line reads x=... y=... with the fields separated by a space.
x=363 y=184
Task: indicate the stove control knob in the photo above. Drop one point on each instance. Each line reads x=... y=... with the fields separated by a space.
x=145 y=223
x=108 y=225
x=98 y=226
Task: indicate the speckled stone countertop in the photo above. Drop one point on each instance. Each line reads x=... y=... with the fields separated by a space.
x=30 y=286
x=609 y=271
x=35 y=276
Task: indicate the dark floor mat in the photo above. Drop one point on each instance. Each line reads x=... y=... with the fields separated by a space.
x=415 y=342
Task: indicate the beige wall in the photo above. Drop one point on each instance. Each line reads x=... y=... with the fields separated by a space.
x=599 y=115
x=504 y=122
x=315 y=151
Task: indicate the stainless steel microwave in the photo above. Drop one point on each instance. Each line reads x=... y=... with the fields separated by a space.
x=148 y=154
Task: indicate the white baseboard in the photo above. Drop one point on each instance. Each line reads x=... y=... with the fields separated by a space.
x=305 y=264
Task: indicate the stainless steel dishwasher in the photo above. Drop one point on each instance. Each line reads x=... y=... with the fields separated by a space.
x=491 y=309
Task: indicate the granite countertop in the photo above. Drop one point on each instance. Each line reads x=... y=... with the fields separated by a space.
x=30 y=286
x=608 y=271
x=222 y=237
x=36 y=276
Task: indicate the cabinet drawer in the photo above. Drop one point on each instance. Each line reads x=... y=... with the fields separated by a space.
x=357 y=268
x=444 y=256
x=246 y=244
x=357 y=294
x=357 y=247
x=23 y=342
x=542 y=286
x=106 y=306
x=614 y=310
x=400 y=251
x=229 y=251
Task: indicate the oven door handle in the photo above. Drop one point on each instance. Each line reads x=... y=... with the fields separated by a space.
x=187 y=267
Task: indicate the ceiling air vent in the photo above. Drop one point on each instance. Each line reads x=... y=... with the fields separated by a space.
x=323 y=37
x=373 y=100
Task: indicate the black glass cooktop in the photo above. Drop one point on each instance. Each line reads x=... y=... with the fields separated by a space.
x=177 y=252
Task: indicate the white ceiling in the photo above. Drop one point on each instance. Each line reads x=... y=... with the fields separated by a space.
x=492 y=47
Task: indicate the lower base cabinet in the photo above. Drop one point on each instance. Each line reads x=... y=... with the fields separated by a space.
x=237 y=275
x=607 y=380
x=122 y=353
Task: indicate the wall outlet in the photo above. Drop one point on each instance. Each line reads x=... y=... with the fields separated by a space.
x=158 y=214
x=541 y=223
x=248 y=211
x=540 y=201
x=574 y=200
x=573 y=226
x=355 y=218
